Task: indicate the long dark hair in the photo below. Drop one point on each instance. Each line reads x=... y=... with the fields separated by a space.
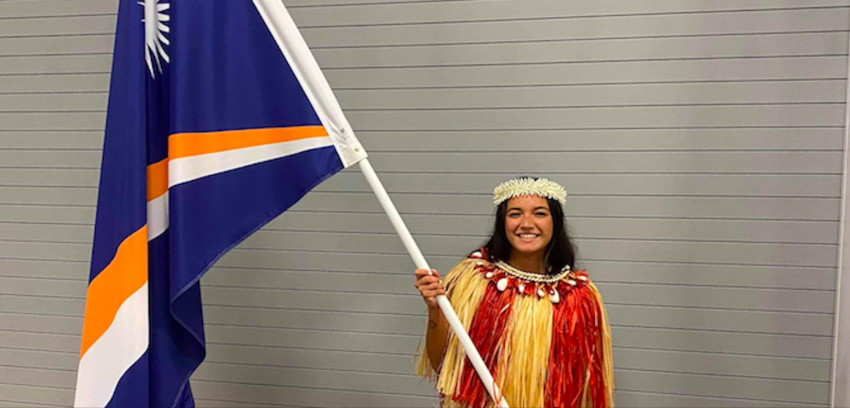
x=559 y=252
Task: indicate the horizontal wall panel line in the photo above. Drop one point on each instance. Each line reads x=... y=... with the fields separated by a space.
x=555 y=40
x=412 y=363
x=378 y=353
x=458 y=43
x=437 y=193
x=51 y=279
x=112 y=34
x=53 y=334
x=525 y=63
x=548 y=85
x=44 y=260
x=58 y=54
x=41 y=351
x=485 y=152
x=54 y=186
x=358 y=391
x=30 y=403
x=518 y=108
x=635 y=370
x=50 y=387
x=53 y=205
x=87 y=149
x=820 y=336
x=53 y=92
x=39 y=74
x=479 y=130
x=588 y=16
x=544 y=107
x=56 y=16
x=305 y=309
x=252 y=403
x=728 y=353
x=798 y=404
x=40 y=368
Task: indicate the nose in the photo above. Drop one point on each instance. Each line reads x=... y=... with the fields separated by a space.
x=526 y=221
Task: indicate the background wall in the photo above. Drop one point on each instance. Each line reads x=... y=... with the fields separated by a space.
x=700 y=142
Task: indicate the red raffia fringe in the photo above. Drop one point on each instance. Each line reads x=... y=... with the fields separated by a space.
x=577 y=355
x=487 y=333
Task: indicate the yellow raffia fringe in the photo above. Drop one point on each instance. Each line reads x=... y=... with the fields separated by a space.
x=465 y=288
x=529 y=335
x=607 y=353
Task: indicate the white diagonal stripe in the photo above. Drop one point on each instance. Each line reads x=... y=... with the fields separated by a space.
x=190 y=168
x=157 y=216
x=106 y=361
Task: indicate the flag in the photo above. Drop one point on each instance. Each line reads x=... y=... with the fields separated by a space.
x=209 y=135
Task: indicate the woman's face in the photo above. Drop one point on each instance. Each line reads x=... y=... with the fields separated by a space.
x=528 y=225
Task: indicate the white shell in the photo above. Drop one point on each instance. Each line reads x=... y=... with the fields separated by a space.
x=584 y=278
x=571 y=282
x=488 y=275
x=502 y=284
x=554 y=297
x=540 y=293
x=476 y=253
x=521 y=287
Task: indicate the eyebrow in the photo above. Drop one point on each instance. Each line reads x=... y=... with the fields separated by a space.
x=535 y=208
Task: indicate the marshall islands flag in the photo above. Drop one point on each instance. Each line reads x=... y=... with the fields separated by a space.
x=213 y=129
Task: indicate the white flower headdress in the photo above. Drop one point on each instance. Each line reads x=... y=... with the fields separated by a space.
x=529 y=186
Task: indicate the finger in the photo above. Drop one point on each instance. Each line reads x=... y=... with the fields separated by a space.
x=433 y=291
x=427 y=280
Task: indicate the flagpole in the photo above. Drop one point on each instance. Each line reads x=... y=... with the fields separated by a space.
x=306 y=69
x=442 y=300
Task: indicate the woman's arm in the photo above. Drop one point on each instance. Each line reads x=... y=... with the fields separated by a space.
x=430 y=286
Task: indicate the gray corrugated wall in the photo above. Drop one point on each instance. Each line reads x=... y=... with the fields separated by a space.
x=700 y=142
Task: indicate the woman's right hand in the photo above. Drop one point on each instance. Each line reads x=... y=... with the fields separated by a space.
x=430 y=286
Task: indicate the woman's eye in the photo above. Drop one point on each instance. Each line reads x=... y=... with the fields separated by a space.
x=542 y=214
x=513 y=215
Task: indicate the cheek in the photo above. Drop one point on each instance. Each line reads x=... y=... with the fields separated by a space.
x=548 y=227
x=510 y=225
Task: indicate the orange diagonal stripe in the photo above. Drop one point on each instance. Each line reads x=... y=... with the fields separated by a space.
x=157 y=179
x=127 y=272
x=191 y=144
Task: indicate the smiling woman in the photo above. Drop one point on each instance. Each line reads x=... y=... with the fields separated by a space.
x=539 y=325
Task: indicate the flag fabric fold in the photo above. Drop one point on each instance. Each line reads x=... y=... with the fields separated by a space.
x=209 y=135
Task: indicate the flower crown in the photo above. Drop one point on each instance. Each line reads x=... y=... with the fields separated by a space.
x=529 y=186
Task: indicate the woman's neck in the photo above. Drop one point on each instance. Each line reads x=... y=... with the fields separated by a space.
x=529 y=263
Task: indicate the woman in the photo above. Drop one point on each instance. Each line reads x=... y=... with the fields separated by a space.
x=540 y=326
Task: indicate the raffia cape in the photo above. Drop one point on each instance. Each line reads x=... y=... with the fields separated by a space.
x=547 y=345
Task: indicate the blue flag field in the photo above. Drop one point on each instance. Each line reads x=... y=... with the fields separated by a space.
x=209 y=135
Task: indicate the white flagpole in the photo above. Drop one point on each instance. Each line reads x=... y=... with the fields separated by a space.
x=316 y=87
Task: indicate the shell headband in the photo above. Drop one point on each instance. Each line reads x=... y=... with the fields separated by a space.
x=528 y=186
